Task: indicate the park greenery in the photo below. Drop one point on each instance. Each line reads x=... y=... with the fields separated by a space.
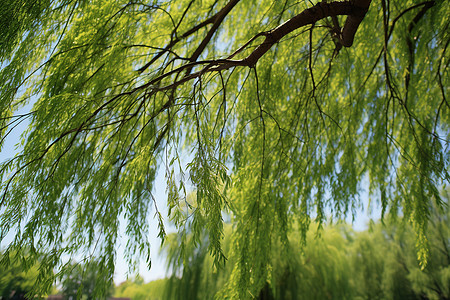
x=276 y=115
x=81 y=282
x=337 y=262
x=16 y=278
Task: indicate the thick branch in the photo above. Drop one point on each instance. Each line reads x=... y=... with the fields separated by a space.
x=355 y=10
x=353 y=21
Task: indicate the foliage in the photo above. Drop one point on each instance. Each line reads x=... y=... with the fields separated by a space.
x=283 y=117
x=379 y=263
x=140 y=291
x=194 y=274
x=434 y=281
x=82 y=280
x=16 y=279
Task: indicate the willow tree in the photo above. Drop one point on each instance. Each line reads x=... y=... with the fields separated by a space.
x=284 y=110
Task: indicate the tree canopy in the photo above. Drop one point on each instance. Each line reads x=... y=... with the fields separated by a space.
x=272 y=111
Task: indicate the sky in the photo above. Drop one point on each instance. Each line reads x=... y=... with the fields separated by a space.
x=158 y=269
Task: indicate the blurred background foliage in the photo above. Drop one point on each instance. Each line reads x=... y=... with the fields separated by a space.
x=80 y=283
x=15 y=279
x=337 y=262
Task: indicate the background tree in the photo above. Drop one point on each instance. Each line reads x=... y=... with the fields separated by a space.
x=82 y=280
x=138 y=290
x=194 y=275
x=434 y=281
x=285 y=115
x=16 y=278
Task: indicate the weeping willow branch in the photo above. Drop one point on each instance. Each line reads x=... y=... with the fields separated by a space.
x=355 y=10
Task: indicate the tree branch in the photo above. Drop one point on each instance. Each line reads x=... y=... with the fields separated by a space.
x=356 y=10
x=217 y=21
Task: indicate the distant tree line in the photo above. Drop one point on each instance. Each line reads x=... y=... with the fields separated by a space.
x=18 y=280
